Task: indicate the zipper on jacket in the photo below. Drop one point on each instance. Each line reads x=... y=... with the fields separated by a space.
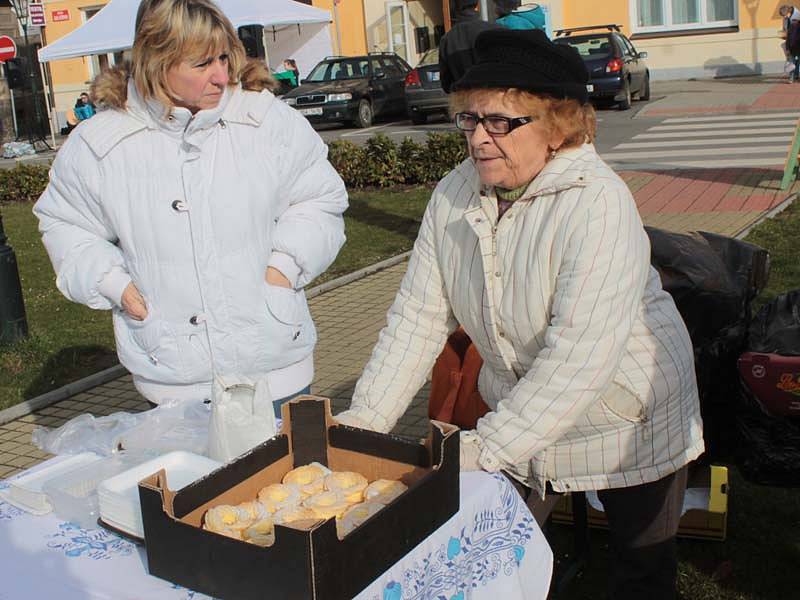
x=222 y=123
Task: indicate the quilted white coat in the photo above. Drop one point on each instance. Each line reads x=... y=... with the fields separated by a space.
x=193 y=209
x=588 y=367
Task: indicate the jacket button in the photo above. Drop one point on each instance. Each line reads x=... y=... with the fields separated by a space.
x=177 y=205
x=193 y=320
x=497 y=273
x=502 y=334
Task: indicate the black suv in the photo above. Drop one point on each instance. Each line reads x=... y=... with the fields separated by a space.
x=352 y=89
x=616 y=70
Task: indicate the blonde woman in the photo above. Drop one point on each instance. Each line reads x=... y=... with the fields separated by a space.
x=534 y=245
x=196 y=207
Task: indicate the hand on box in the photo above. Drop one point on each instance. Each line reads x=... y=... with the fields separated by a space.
x=475 y=456
x=347 y=418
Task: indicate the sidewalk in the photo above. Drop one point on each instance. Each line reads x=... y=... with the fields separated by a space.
x=726 y=201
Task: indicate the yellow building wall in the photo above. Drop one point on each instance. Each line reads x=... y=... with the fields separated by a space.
x=352 y=31
x=580 y=13
x=753 y=49
x=70 y=77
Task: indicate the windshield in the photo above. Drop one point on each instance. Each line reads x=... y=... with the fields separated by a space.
x=589 y=47
x=431 y=57
x=329 y=70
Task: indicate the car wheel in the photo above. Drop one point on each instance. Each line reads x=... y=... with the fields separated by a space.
x=418 y=118
x=644 y=93
x=625 y=103
x=364 y=118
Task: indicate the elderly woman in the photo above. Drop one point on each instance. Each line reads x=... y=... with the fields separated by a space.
x=196 y=207
x=534 y=245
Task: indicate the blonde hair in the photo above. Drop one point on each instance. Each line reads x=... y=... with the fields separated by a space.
x=563 y=117
x=171 y=31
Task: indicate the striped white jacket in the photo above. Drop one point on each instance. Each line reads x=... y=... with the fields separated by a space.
x=588 y=366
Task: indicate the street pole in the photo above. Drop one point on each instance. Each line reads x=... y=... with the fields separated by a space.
x=13 y=324
x=21 y=9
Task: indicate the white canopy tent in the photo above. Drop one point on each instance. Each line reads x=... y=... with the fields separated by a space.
x=291 y=30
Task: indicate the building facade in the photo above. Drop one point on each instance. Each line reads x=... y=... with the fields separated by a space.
x=691 y=38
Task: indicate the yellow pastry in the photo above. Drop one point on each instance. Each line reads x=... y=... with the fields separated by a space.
x=327 y=504
x=384 y=491
x=309 y=478
x=349 y=483
x=225 y=517
x=251 y=511
x=290 y=514
x=355 y=516
x=261 y=533
x=279 y=495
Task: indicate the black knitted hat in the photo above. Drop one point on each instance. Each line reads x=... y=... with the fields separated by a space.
x=526 y=60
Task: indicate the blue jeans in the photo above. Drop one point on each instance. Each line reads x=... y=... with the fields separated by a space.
x=278 y=403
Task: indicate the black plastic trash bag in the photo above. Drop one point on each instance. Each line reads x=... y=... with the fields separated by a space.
x=776 y=327
x=713 y=280
x=769 y=449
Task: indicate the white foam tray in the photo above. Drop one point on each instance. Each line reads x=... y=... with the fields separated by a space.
x=119 y=495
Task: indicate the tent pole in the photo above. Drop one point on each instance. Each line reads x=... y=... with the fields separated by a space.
x=264 y=43
x=47 y=87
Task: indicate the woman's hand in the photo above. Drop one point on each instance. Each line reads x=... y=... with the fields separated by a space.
x=133 y=303
x=275 y=277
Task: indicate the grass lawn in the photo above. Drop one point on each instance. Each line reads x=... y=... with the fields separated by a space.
x=68 y=341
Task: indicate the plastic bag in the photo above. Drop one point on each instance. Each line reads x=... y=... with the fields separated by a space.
x=17 y=149
x=769 y=448
x=171 y=426
x=242 y=416
x=776 y=327
x=85 y=433
x=713 y=280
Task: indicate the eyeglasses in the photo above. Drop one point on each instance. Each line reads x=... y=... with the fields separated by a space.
x=493 y=124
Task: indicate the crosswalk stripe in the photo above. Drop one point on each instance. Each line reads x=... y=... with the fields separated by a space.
x=762 y=116
x=695 y=152
x=720 y=133
x=696 y=164
x=690 y=126
x=705 y=142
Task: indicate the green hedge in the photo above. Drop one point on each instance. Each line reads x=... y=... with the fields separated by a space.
x=378 y=163
x=23 y=183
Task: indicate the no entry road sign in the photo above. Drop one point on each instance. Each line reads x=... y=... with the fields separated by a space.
x=8 y=49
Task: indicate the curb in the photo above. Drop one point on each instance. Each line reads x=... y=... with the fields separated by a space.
x=767 y=215
x=57 y=395
x=76 y=387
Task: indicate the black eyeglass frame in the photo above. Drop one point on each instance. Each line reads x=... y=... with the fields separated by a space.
x=513 y=122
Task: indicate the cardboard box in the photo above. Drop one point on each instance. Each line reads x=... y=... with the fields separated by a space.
x=311 y=563
x=710 y=524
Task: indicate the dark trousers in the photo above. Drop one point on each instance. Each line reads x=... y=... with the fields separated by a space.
x=642 y=523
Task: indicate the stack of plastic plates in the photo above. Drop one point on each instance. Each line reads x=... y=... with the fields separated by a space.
x=25 y=492
x=119 y=495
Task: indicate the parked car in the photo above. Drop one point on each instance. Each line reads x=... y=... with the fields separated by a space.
x=424 y=93
x=353 y=89
x=616 y=70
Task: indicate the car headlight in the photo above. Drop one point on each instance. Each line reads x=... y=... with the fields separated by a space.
x=290 y=101
x=338 y=97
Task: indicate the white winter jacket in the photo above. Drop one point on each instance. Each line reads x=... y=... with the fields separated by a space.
x=588 y=367
x=193 y=209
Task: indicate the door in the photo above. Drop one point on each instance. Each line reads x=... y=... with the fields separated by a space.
x=395 y=72
x=380 y=86
x=398 y=28
x=632 y=63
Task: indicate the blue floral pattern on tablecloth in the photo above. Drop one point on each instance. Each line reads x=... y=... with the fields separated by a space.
x=493 y=546
x=97 y=544
x=7 y=511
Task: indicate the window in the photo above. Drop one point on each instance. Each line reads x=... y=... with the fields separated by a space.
x=676 y=15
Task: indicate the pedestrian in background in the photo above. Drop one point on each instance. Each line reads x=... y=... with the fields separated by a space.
x=196 y=208
x=84 y=107
x=790 y=33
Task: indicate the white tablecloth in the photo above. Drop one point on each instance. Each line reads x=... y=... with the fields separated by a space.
x=492 y=549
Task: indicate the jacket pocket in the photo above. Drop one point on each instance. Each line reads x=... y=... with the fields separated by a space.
x=147 y=347
x=620 y=402
x=290 y=325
